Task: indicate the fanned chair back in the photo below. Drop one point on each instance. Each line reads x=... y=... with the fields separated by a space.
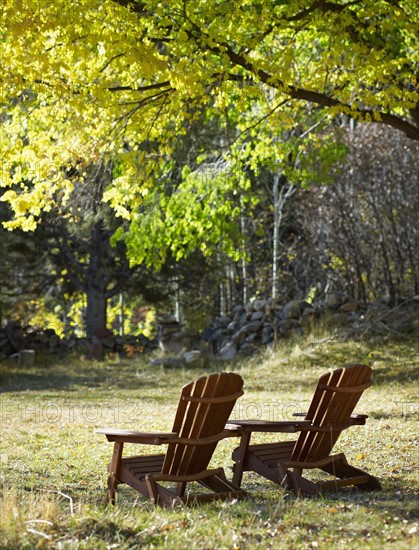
x=204 y=408
x=334 y=400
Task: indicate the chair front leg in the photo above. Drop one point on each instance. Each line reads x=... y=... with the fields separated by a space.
x=114 y=468
x=180 y=488
x=241 y=458
x=153 y=492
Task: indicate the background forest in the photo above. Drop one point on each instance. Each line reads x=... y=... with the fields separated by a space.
x=353 y=230
x=188 y=157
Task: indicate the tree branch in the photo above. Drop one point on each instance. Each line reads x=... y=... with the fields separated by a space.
x=221 y=48
x=156 y=86
x=318 y=98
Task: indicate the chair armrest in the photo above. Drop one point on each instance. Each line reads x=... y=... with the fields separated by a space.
x=157 y=438
x=353 y=416
x=232 y=429
x=285 y=426
x=130 y=436
x=358 y=419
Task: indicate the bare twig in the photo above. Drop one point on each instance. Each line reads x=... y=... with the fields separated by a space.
x=65 y=496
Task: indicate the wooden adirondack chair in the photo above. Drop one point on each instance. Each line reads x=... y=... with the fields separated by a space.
x=199 y=424
x=330 y=412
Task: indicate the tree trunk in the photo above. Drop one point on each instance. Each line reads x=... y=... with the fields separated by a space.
x=281 y=192
x=95 y=311
x=121 y=316
x=244 y=262
x=275 y=237
x=96 y=283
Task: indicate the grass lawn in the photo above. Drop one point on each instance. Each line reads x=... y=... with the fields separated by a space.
x=53 y=465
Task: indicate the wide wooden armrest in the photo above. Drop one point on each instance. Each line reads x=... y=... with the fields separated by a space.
x=283 y=426
x=130 y=436
x=292 y=426
x=233 y=430
x=354 y=420
x=358 y=419
x=158 y=438
x=353 y=416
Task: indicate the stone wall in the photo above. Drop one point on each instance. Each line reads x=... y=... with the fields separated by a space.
x=245 y=331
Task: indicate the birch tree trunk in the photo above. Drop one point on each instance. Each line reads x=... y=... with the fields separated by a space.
x=282 y=190
x=244 y=262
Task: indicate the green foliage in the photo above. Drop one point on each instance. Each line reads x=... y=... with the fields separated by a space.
x=119 y=79
x=201 y=213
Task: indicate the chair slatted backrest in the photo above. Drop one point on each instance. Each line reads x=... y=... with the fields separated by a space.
x=204 y=408
x=334 y=400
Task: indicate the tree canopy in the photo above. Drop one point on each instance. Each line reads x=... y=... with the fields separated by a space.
x=86 y=79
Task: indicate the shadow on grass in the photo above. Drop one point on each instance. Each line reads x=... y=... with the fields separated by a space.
x=25 y=381
x=392 y=375
x=396 y=498
x=65 y=376
x=56 y=376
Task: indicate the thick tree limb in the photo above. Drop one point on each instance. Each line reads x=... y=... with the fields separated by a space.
x=318 y=98
x=411 y=129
